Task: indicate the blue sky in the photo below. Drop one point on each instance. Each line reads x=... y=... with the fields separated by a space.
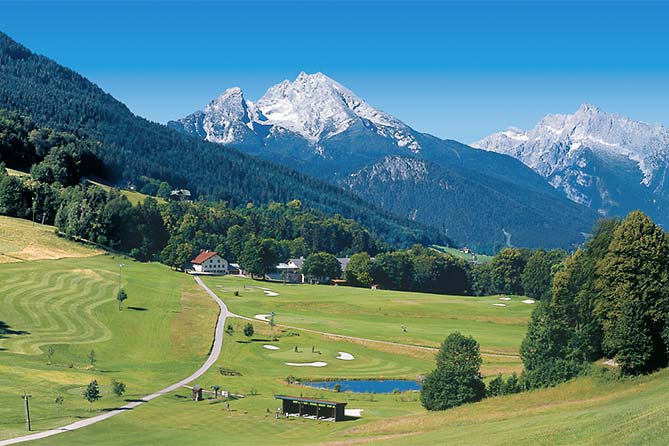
x=457 y=70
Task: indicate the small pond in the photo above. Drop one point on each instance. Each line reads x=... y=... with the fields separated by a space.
x=367 y=386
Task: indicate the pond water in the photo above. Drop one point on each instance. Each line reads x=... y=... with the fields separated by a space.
x=367 y=386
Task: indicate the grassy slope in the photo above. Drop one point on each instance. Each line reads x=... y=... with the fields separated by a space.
x=133 y=196
x=586 y=411
x=20 y=240
x=379 y=314
x=69 y=303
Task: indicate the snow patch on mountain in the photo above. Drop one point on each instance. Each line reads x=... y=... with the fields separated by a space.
x=605 y=161
x=313 y=107
x=543 y=147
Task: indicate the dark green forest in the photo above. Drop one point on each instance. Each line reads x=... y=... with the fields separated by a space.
x=471 y=204
x=130 y=148
x=610 y=299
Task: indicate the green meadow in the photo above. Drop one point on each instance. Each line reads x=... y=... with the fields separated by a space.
x=66 y=305
x=381 y=314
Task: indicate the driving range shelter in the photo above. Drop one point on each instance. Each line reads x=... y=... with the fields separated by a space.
x=325 y=410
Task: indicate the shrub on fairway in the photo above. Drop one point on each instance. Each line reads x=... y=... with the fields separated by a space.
x=495 y=386
x=92 y=392
x=118 y=387
x=248 y=330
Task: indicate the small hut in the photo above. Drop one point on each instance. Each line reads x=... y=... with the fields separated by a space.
x=197 y=393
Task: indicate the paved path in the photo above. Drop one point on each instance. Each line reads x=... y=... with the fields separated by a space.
x=213 y=357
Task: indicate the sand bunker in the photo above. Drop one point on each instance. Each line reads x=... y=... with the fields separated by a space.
x=271 y=347
x=345 y=356
x=267 y=291
x=504 y=298
x=307 y=364
x=263 y=317
x=500 y=305
x=528 y=301
x=353 y=412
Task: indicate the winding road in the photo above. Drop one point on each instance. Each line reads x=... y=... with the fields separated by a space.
x=213 y=357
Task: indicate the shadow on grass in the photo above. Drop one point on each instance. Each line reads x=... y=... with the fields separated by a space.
x=112 y=409
x=136 y=400
x=138 y=308
x=5 y=329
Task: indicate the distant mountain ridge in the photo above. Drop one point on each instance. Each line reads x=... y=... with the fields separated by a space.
x=324 y=129
x=608 y=162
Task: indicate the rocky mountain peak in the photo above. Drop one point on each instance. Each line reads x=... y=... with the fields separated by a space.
x=313 y=106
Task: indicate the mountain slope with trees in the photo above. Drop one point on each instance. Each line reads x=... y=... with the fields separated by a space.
x=134 y=149
x=482 y=212
x=320 y=127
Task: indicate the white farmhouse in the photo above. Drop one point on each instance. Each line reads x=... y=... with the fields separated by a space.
x=210 y=262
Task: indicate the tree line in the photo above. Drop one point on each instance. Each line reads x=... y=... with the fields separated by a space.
x=609 y=299
x=518 y=271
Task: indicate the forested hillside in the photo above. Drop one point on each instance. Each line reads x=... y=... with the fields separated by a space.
x=486 y=212
x=137 y=150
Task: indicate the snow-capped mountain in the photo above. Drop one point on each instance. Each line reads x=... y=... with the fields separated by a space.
x=319 y=108
x=606 y=161
x=318 y=126
x=312 y=112
x=227 y=119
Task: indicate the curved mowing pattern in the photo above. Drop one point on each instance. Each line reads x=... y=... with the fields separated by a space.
x=56 y=307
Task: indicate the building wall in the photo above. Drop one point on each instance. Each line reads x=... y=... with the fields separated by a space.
x=216 y=264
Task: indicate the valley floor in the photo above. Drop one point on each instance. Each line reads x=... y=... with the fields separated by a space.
x=165 y=334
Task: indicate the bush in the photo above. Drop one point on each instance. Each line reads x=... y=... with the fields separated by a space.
x=457 y=379
x=512 y=385
x=553 y=373
x=248 y=330
x=495 y=386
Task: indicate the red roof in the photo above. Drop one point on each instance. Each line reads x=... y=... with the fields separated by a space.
x=203 y=257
